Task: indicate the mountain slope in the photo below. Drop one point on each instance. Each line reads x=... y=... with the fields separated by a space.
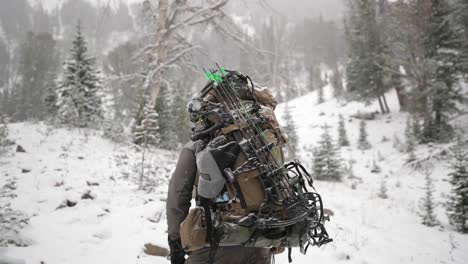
x=112 y=227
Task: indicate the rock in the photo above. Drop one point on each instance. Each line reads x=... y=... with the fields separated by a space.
x=154 y=250
x=25 y=171
x=70 y=203
x=365 y=115
x=90 y=183
x=80 y=158
x=88 y=195
x=19 y=148
x=66 y=203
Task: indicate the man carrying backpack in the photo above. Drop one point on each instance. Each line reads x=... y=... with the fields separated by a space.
x=250 y=204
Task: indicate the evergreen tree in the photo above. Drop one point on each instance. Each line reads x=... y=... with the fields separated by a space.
x=342 y=135
x=410 y=140
x=367 y=50
x=290 y=129
x=363 y=143
x=79 y=102
x=427 y=203
x=457 y=209
x=444 y=43
x=327 y=163
x=147 y=132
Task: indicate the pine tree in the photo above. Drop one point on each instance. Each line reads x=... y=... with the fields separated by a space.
x=457 y=209
x=445 y=43
x=367 y=50
x=79 y=103
x=290 y=129
x=363 y=143
x=427 y=202
x=328 y=164
x=147 y=132
x=342 y=135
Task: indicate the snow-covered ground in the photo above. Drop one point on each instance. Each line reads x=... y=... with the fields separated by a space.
x=114 y=226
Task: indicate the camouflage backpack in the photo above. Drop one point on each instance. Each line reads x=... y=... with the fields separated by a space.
x=246 y=194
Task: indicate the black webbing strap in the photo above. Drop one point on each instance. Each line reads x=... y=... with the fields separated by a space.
x=211 y=232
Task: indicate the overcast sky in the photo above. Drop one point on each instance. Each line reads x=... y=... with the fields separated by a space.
x=293 y=9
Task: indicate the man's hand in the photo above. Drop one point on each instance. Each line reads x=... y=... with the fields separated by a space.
x=177 y=253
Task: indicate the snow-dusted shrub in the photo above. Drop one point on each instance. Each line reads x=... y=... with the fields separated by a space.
x=11 y=221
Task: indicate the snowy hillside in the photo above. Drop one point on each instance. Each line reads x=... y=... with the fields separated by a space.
x=112 y=227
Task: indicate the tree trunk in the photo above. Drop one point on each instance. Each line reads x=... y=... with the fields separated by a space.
x=385 y=104
x=381 y=105
x=401 y=98
x=161 y=50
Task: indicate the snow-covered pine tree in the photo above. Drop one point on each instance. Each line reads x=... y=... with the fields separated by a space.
x=147 y=133
x=427 y=203
x=342 y=135
x=327 y=164
x=289 y=129
x=79 y=103
x=367 y=51
x=457 y=208
x=445 y=44
x=363 y=143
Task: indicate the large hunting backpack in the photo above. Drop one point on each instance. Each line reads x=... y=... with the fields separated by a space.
x=246 y=194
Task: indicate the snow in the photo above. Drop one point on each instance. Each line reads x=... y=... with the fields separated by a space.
x=114 y=226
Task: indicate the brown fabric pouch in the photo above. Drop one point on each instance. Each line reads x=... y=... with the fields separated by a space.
x=193 y=232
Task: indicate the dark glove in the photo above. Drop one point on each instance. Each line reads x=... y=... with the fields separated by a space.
x=177 y=252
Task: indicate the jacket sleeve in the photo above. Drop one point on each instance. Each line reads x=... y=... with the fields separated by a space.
x=179 y=194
